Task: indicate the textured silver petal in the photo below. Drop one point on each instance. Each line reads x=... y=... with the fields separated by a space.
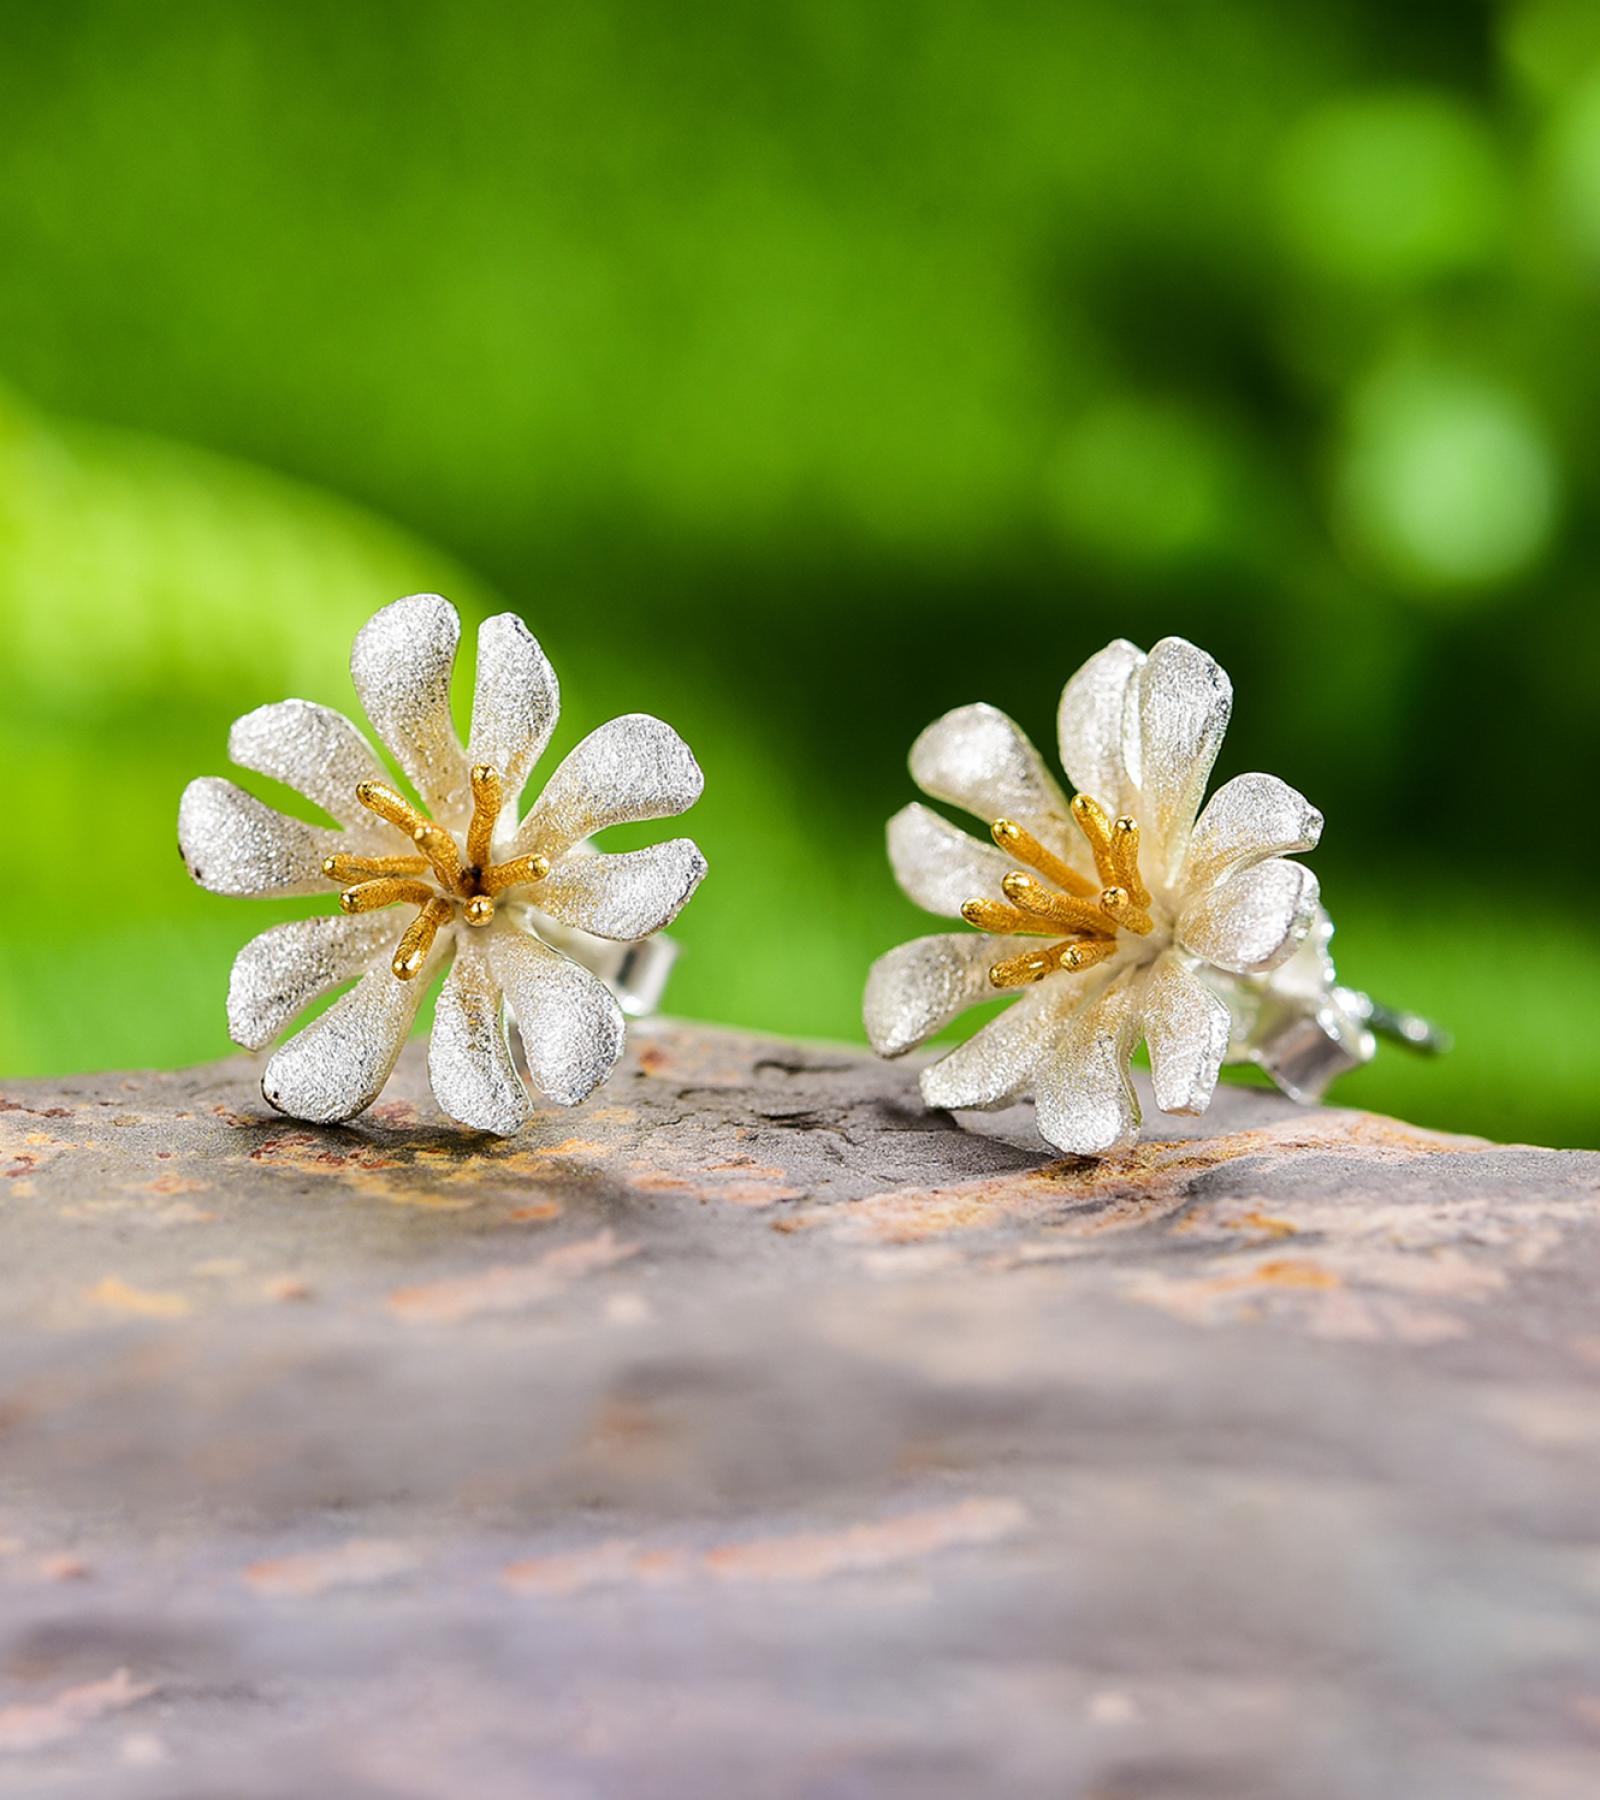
x=469 y=1060
x=997 y=1064
x=337 y=1065
x=977 y=758
x=632 y=768
x=1184 y=703
x=235 y=844
x=1304 y=979
x=570 y=1024
x=281 y=972
x=1097 y=725
x=939 y=865
x=1255 y=920
x=515 y=704
x=918 y=988
x=1085 y=1101
x=1245 y=821
x=401 y=667
x=319 y=753
x=625 y=896
x=1187 y=1028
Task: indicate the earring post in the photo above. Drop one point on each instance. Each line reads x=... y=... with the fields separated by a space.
x=1407 y=1028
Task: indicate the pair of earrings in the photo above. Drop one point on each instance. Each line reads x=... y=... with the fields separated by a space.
x=1126 y=914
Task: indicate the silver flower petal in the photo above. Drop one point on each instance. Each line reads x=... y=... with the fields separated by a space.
x=278 y=974
x=939 y=865
x=1097 y=725
x=916 y=989
x=997 y=1063
x=1085 y=1101
x=319 y=753
x=401 y=666
x=1255 y=920
x=624 y=896
x=1245 y=821
x=1187 y=1029
x=337 y=1065
x=515 y=704
x=977 y=758
x=234 y=844
x=570 y=1024
x=631 y=768
x=469 y=1059
x=1184 y=703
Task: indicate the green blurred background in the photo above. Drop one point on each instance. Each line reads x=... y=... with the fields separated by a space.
x=799 y=372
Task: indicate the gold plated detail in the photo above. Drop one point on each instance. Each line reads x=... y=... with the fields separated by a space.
x=1085 y=918
x=1077 y=957
x=366 y=868
x=990 y=915
x=439 y=847
x=1096 y=827
x=500 y=876
x=1118 y=902
x=412 y=950
x=389 y=805
x=1023 y=971
x=388 y=890
x=470 y=881
x=1026 y=848
x=1061 y=910
x=1125 y=859
x=488 y=796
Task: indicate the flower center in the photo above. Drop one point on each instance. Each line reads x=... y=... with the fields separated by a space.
x=1084 y=918
x=441 y=878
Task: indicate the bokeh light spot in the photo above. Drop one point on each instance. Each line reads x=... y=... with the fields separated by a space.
x=1391 y=189
x=1447 y=483
x=1573 y=158
x=1141 y=482
x=1547 y=44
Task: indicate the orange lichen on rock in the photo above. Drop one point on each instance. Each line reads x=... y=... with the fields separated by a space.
x=34 y=1727
x=361 y=1562
x=803 y=1556
x=508 y=1287
x=117 y=1294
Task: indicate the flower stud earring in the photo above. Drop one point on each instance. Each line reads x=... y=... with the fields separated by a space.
x=528 y=919
x=1118 y=916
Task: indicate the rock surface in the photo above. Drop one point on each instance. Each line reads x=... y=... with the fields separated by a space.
x=749 y=1431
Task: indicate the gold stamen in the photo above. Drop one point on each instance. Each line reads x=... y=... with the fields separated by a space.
x=1026 y=848
x=1086 y=953
x=387 y=804
x=488 y=796
x=500 y=876
x=368 y=896
x=1119 y=904
x=439 y=847
x=1096 y=827
x=990 y=915
x=1023 y=971
x=1060 y=909
x=1125 y=854
x=412 y=950
x=479 y=910
x=365 y=868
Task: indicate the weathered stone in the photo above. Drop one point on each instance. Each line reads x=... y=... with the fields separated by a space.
x=749 y=1431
